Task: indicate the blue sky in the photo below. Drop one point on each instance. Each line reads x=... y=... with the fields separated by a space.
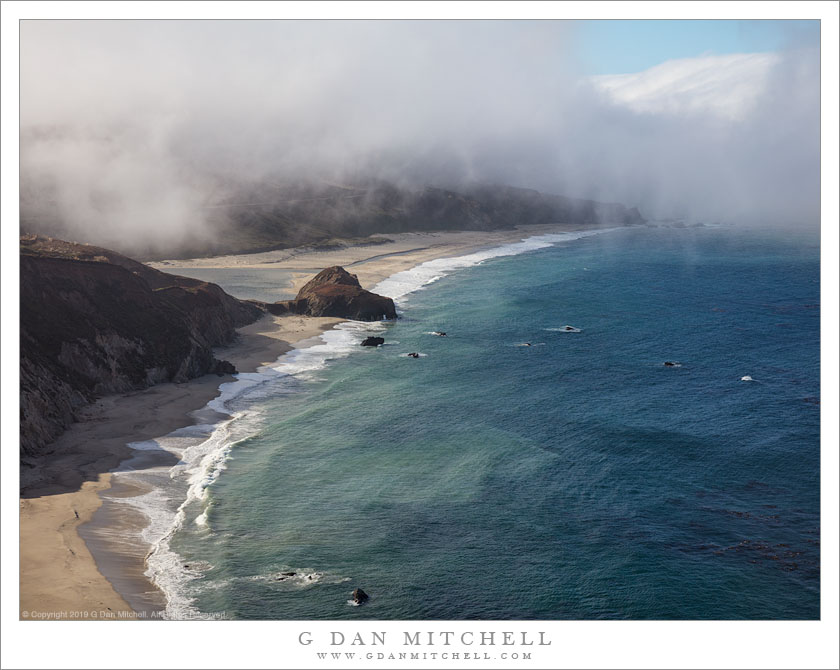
x=618 y=47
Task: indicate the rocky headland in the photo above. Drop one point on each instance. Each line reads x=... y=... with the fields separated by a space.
x=94 y=322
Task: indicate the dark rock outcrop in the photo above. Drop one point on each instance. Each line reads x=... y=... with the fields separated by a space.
x=222 y=368
x=336 y=292
x=359 y=596
x=94 y=322
x=372 y=341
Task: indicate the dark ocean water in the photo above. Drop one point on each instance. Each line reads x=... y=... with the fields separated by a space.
x=576 y=478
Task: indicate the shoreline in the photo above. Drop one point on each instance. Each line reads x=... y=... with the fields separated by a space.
x=371 y=264
x=61 y=494
x=77 y=551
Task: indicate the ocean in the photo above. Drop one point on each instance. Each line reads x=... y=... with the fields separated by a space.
x=540 y=461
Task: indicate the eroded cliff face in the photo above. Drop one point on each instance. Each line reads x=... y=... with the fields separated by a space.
x=93 y=322
x=336 y=292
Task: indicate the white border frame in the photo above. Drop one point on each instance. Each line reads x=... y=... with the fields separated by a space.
x=274 y=644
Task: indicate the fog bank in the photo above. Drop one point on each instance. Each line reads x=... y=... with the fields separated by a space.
x=132 y=129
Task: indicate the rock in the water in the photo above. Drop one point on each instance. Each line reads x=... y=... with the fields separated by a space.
x=359 y=596
x=336 y=292
x=373 y=341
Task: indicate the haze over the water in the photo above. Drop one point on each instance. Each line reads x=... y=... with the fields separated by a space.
x=129 y=127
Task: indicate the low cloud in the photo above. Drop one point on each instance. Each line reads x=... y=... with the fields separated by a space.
x=129 y=130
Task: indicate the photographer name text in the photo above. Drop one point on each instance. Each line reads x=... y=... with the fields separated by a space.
x=428 y=639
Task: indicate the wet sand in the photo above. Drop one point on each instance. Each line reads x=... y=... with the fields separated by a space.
x=58 y=575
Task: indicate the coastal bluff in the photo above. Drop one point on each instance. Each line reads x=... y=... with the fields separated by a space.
x=337 y=293
x=94 y=322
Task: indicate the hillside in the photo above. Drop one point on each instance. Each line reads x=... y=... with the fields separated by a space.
x=245 y=217
x=270 y=216
x=94 y=322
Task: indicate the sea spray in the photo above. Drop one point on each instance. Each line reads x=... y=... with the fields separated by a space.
x=165 y=568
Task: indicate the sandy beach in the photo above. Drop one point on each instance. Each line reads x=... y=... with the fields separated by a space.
x=371 y=263
x=59 y=577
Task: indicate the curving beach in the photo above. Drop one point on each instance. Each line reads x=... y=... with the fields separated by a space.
x=77 y=556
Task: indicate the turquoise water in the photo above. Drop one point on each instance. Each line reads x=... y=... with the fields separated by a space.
x=576 y=478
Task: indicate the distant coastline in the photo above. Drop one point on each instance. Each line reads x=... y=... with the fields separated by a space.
x=317 y=215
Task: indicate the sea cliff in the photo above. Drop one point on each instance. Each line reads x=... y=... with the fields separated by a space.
x=94 y=322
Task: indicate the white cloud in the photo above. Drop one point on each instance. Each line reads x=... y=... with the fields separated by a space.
x=728 y=86
x=123 y=122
